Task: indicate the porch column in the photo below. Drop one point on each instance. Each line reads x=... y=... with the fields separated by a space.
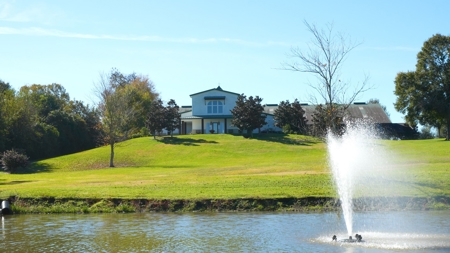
x=203 y=126
x=225 y=119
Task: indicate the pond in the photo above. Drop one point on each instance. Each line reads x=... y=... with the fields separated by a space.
x=225 y=232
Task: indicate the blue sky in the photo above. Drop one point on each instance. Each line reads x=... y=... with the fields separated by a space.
x=189 y=46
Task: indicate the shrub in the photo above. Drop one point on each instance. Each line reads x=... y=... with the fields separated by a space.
x=426 y=133
x=13 y=160
x=287 y=129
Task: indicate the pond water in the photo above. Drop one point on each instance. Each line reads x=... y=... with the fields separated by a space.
x=225 y=232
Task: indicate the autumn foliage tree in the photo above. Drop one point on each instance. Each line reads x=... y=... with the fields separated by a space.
x=123 y=100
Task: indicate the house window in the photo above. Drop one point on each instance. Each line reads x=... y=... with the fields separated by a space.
x=215 y=107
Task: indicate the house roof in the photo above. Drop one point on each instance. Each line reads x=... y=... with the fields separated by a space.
x=215 y=89
x=188 y=115
x=373 y=112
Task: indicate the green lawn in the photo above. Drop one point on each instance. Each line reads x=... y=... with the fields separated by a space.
x=224 y=167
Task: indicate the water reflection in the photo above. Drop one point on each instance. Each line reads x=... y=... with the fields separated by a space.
x=3 y=227
x=224 y=232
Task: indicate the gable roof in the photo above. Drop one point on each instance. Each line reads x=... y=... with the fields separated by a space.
x=215 y=89
x=357 y=111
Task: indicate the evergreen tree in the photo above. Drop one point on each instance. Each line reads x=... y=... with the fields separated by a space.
x=290 y=116
x=248 y=114
x=172 y=117
x=156 y=118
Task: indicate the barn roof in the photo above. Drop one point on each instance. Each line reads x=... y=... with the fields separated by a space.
x=215 y=89
x=357 y=111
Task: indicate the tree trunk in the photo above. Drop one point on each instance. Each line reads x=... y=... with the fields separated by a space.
x=448 y=130
x=111 y=159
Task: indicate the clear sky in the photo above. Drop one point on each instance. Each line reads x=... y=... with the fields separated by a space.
x=189 y=46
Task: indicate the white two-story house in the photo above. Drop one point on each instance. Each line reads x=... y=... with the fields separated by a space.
x=211 y=113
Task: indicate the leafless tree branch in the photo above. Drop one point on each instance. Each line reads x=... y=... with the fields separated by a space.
x=324 y=58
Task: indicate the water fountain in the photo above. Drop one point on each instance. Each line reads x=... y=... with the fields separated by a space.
x=353 y=157
x=361 y=167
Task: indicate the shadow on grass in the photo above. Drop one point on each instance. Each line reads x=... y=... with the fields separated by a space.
x=33 y=168
x=284 y=139
x=15 y=182
x=419 y=186
x=184 y=141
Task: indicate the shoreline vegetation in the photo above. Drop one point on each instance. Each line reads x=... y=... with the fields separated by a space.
x=311 y=204
x=226 y=173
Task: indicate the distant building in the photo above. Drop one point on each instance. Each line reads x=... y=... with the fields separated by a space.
x=210 y=112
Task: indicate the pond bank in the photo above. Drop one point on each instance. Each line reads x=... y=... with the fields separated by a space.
x=67 y=205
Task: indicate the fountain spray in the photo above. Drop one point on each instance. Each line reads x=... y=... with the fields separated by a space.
x=351 y=157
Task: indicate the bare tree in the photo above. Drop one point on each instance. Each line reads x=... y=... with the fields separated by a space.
x=324 y=58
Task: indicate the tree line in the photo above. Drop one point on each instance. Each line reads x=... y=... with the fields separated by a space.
x=42 y=121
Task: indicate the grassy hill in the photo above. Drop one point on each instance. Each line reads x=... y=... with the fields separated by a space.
x=224 y=167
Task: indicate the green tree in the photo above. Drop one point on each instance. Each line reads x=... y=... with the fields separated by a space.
x=44 y=122
x=324 y=58
x=423 y=95
x=156 y=118
x=248 y=114
x=118 y=106
x=5 y=95
x=74 y=133
x=26 y=130
x=46 y=98
x=291 y=116
x=142 y=93
x=91 y=117
x=172 y=116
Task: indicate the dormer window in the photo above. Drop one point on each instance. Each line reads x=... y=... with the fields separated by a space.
x=214 y=107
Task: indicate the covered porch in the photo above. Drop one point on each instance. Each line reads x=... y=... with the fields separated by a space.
x=206 y=125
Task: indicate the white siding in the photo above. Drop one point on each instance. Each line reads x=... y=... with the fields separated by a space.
x=199 y=103
x=196 y=126
x=270 y=124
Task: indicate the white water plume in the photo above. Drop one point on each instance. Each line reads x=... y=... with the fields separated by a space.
x=354 y=158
